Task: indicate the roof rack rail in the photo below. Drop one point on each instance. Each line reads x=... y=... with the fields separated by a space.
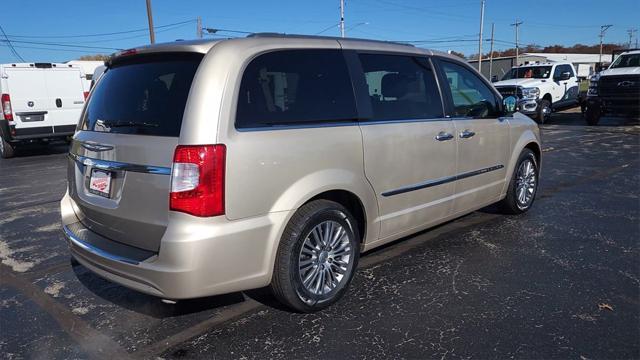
x=302 y=36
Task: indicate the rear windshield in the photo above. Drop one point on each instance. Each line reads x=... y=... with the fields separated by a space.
x=144 y=95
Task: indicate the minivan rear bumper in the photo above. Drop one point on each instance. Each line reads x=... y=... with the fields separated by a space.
x=197 y=257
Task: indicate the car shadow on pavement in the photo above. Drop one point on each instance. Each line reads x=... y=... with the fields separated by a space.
x=53 y=148
x=576 y=118
x=147 y=304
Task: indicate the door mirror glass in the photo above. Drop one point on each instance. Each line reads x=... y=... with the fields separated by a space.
x=564 y=76
x=510 y=104
x=494 y=78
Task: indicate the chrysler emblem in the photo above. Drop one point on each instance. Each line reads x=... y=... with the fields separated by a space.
x=30 y=103
x=626 y=83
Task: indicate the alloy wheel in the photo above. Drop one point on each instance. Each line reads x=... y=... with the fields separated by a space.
x=325 y=258
x=526 y=182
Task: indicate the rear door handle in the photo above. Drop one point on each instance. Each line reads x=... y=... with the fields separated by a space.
x=443 y=136
x=467 y=134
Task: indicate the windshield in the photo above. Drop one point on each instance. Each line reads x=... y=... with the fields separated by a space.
x=630 y=60
x=528 y=72
x=142 y=96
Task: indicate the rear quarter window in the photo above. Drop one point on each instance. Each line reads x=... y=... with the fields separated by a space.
x=144 y=95
x=290 y=87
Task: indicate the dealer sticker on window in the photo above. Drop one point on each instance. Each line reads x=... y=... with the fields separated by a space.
x=100 y=182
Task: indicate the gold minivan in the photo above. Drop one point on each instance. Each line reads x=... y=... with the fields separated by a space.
x=209 y=167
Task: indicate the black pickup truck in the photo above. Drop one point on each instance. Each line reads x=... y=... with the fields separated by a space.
x=616 y=90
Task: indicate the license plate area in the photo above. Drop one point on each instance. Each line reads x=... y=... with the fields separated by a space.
x=32 y=118
x=100 y=182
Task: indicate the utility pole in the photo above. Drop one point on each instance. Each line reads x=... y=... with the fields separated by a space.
x=152 y=35
x=493 y=27
x=517 y=25
x=631 y=32
x=342 y=18
x=199 y=29
x=480 y=36
x=603 y=29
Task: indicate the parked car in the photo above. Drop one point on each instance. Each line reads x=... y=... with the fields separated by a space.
x=96 y=75
x=40 y=102
x=210 y=167
x=541 y=88
x=616 y=90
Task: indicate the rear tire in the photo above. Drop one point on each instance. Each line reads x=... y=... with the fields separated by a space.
x=592 y=116
x=544 y=112
x=6 y=150
x=317 y=257
x=523 y=186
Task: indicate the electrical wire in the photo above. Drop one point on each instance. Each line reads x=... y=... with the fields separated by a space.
x=94 y=35
x=50 y=49
x=11 y=48
x=57 y=44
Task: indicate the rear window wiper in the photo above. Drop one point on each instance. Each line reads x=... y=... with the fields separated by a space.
x=112 y=124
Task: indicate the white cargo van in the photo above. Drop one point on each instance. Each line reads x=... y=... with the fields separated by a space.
x=40 y=102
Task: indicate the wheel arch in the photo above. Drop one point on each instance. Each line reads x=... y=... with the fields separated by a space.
x=535 y=147
x=351 y=202
x=526 y=140
x=346 y=187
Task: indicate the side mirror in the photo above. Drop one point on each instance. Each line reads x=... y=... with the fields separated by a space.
x=494 y=78
x=564 y=76
x=510 y=105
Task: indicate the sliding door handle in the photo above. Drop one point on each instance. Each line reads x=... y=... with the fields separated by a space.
x=467 y=134
x=443 y=136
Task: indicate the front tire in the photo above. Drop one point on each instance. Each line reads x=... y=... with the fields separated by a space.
x=523 y=185
x=317 y=257
x=6 y=150
x=544 y=112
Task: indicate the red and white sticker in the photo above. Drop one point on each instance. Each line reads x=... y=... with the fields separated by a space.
x=100 y=182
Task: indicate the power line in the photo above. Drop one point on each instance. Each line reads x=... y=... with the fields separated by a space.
x=327 y=29
x=122 y=38
x=49 y=49
x=94 y=35
x=59 y=44
x=11 y=48
x=214 y=31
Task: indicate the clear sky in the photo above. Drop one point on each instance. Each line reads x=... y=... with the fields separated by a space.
x=66 y=23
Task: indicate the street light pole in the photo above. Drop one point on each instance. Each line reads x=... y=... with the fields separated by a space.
x=603 y=29
x=480 y=36
x=493 y=27
x=152 y=35
x=342 y=18
x=517 y=25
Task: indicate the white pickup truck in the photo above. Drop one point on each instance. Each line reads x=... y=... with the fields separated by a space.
x=39 y=102
x=541 y=88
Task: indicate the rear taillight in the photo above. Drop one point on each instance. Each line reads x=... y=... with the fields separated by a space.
x=86 y=94
x=197 y=180
x=5 y=99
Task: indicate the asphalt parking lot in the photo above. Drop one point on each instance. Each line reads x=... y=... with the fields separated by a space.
x=562 y=281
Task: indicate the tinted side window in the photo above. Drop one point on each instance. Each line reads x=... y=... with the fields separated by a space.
x=295 y=86
x=143 y=95
x=469 y=94
x=562 y=69
x=401 y=87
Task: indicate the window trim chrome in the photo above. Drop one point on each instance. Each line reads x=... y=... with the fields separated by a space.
x=119 y=166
